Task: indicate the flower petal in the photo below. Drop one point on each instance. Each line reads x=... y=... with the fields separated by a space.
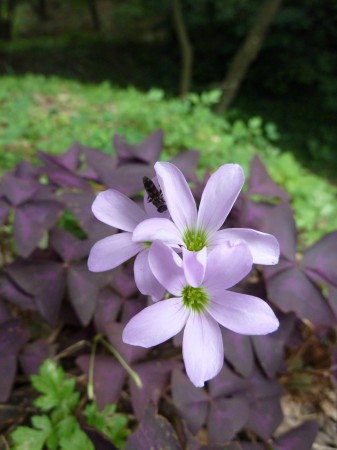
x=166 y=266
x=264 y=247
x=243 y=314
x=156 y=323
x=116 y=209
x=158 y=229
x=194 y=264
x=219 y=195
x=226 y=265
x=178 y=196
x=112 y=251
x=150 y=209
x=202 y=348
x=144 y=278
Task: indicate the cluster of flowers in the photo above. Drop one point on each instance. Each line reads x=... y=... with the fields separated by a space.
x=184 y=252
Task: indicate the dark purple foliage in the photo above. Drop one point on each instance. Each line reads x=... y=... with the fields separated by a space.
x=47 y=293
x=154 y=431
x=13 y=335
x=291 y=284
x=299 y=438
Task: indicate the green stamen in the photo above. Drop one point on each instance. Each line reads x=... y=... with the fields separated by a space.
x=195 y=298
x=195 y=240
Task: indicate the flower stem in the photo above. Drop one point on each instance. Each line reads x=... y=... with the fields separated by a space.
x=100 y=339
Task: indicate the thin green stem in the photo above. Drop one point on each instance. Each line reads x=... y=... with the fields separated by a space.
x=100 y=339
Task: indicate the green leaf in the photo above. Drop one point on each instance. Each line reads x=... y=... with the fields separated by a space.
x=57 y=390
x=26 y=438
x=112 y=424
x=72 y=437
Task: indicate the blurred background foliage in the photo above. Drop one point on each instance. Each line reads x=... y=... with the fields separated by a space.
x=85 y=69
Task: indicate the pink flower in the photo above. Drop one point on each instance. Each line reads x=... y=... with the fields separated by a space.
x=199 y=307
x=115 y=209
x=194 y=229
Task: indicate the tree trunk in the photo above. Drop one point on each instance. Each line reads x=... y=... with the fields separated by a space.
x=7 y=9
x=247 y=53
x=41 y=10
x=185 y=48
x=96 y=20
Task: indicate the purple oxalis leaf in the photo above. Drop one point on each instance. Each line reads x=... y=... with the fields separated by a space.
x=13 y=335
x=288 y=286
x=332 y=300
x=25 y=170
x=226 y=417
x=252 y=214
x=31 y=221
x=187 y=163
x=291 y=290
x=100 y=440
x=108 y=306
x=102 y=164
x=80 y=204
x=299 y=438
x=64 y=178
x=128 y=178
x=251 y=446
x=109 y=378
x=227 y=383
x=238 y=351
x=5 y=209
x=68 y=160
x=8 y=364
x=124 y=282
x=83 y=291
x=45 y=280
x=265 y=416
x=18 y=190
x=4 y=312
x=191 y=402
x=281 y=224
x=260 y=182
x=270 y=348
x=49 y=295
x=260 y=387
x=67 y=246
x=153 y=432
x=33 y=355
x=16 y=296
x=147 y=151
x=155 y=376
x=129 y=352
x=320 y=260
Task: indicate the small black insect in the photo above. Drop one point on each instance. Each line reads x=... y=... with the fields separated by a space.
x=155 y=196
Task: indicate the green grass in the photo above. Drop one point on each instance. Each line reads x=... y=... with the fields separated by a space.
x=49 y=114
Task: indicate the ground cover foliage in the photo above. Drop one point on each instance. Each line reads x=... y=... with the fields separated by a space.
x=51 y=306
x=51 y=113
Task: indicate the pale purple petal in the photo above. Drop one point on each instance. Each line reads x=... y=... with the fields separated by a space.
x=166 y=266
x=144 y=278
x=156 y=323
x=116 y=209
x=178 y=196
x=264 y=247
x=243 y=314
x=202 y=348
x=112 y=251
x=227 y=265
x=219 y=195
x=158 y=229
x=194 y=264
